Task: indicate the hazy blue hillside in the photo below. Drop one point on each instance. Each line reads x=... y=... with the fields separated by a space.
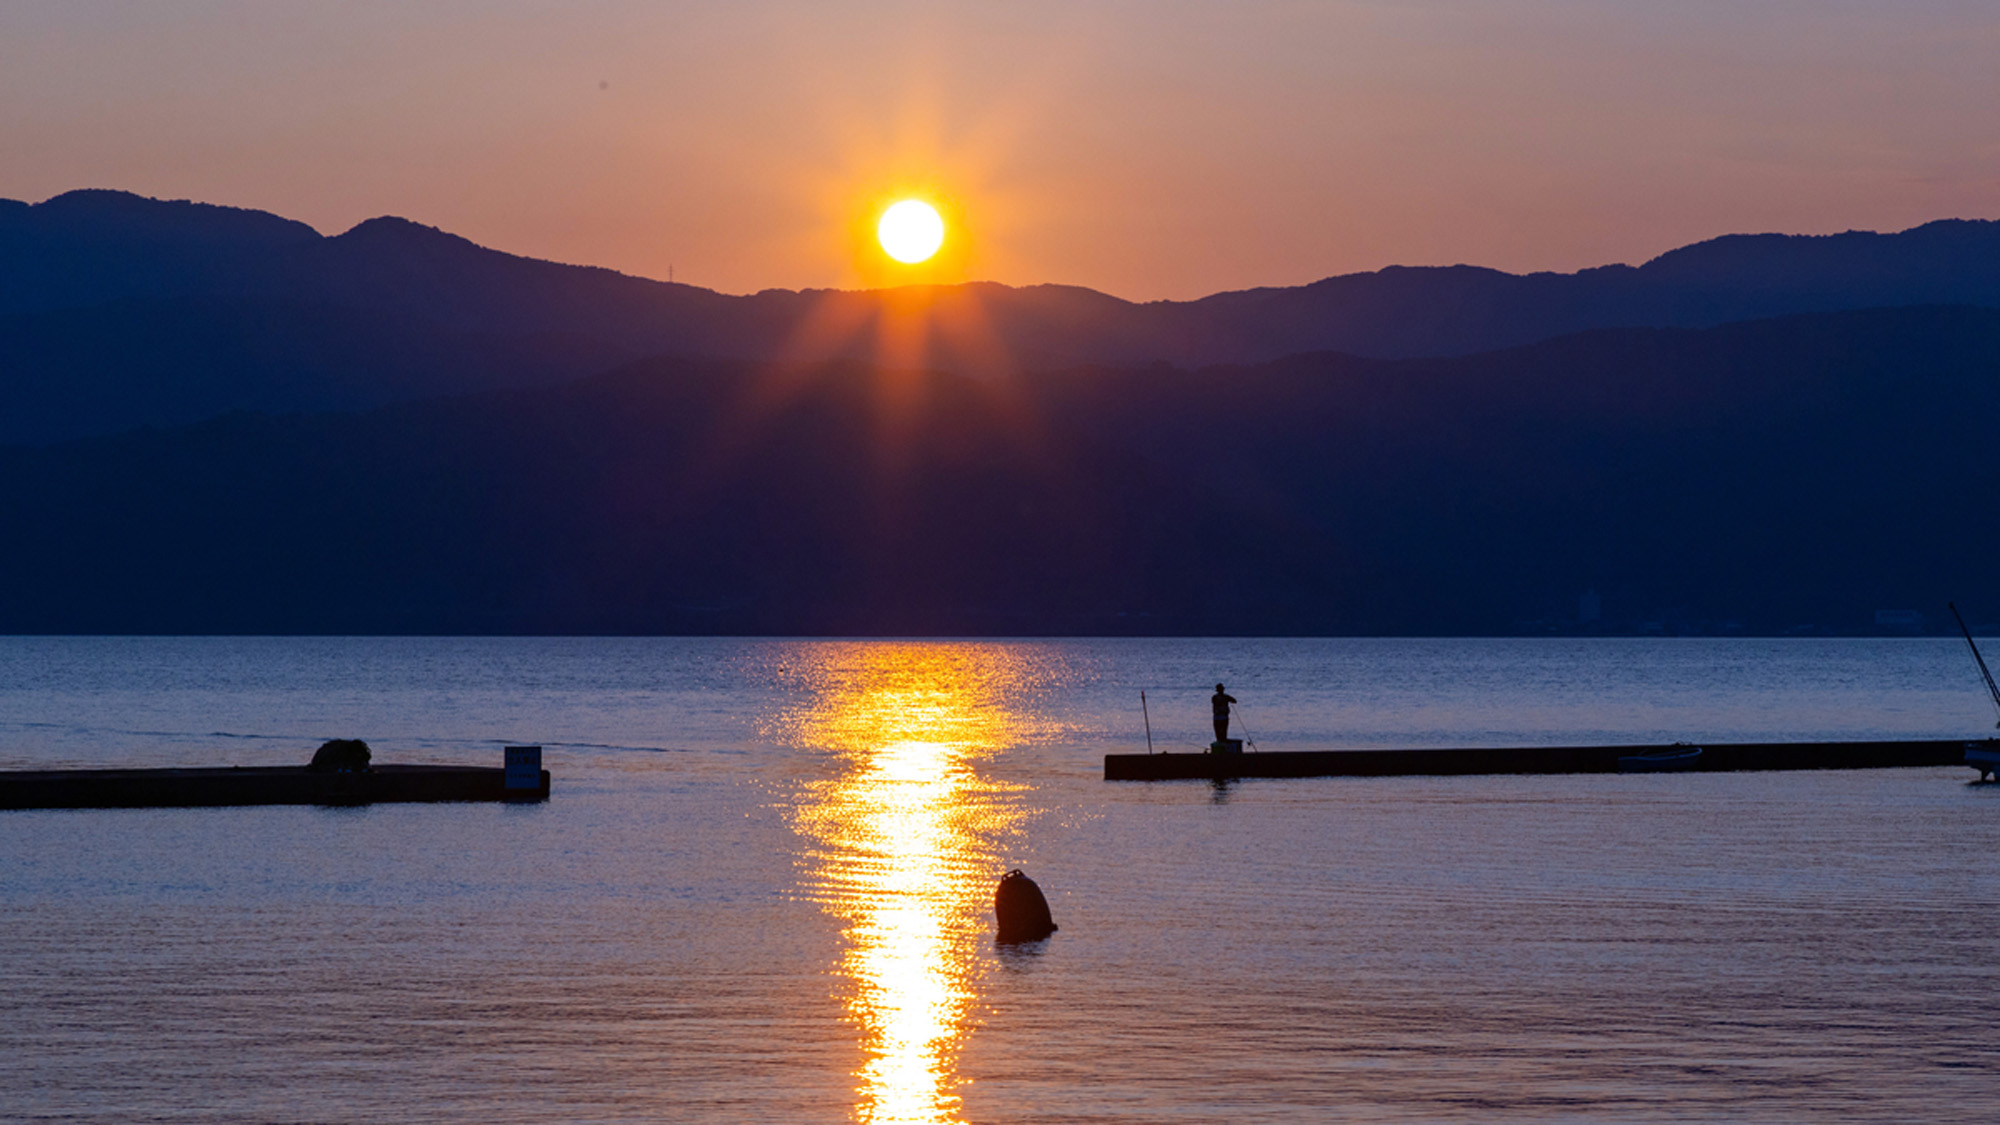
x=1762 y=476
x=90 y=280
x=168 y=362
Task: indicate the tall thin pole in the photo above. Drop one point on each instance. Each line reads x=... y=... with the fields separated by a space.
x=1990 y=685
x=1149 y=720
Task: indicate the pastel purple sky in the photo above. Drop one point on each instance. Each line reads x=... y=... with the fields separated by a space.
x=1168 y=148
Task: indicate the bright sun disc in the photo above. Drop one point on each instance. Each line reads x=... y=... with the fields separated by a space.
x=910 y=231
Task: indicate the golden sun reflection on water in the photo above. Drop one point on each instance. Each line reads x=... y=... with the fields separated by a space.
x=905 y=847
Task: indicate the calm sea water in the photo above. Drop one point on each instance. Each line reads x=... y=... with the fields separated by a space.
x=762 y=889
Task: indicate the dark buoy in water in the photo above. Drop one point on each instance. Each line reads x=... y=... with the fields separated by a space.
x=1021 y=909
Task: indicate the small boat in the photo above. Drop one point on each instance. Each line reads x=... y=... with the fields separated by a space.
x=1661 y=761
x=1985 y=759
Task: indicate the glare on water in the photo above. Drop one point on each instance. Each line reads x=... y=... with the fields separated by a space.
x=905 y=840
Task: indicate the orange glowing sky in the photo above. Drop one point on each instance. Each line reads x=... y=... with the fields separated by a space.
x=1147 y=148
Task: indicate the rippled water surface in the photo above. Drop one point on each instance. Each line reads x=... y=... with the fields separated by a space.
x=762 y=889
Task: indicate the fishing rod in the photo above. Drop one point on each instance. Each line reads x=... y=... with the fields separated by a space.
x=1233 y=709
x=1237 y=710
x=1991 y=687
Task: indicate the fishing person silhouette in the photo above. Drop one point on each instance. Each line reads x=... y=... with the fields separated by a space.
x=1220 y=704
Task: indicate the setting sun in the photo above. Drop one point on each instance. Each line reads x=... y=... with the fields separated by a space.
x=910 y=231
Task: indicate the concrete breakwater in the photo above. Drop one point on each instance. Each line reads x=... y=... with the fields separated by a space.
x=263 y=785
x=1713 y=757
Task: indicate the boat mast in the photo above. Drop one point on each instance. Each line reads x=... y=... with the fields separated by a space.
x=1991 y=687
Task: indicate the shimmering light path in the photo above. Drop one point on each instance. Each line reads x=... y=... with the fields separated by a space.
x=905 y=850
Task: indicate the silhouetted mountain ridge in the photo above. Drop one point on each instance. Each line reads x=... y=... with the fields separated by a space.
x=86 y=263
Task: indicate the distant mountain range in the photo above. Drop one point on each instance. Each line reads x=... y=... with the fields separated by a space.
x=1797 y=473
x=118 y=311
